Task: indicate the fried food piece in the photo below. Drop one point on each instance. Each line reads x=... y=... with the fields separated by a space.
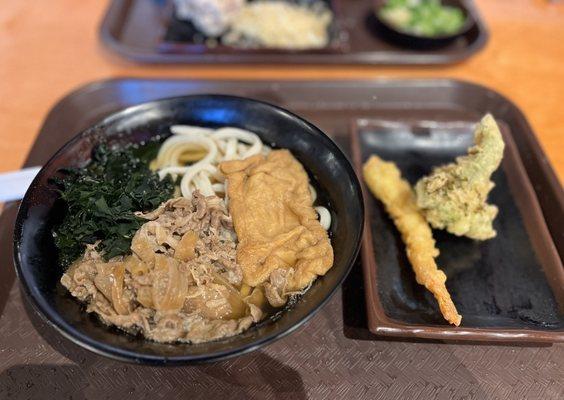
x=385 y=181
x=276 y=224
x=454 y=196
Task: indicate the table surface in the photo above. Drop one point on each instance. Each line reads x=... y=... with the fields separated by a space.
x=50 y=48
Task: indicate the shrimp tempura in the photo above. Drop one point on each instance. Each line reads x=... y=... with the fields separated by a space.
x=385 y=181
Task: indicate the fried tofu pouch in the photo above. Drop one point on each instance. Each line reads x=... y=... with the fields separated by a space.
x=454 y=196
x=275 y=222
x=385 y=181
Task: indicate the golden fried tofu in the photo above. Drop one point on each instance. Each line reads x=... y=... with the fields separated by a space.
x=275 y=222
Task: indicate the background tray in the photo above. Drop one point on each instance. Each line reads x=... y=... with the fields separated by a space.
x=508 y=288
x=334 y=355
x=136 y=29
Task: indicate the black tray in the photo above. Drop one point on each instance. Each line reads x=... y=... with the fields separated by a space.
x=138 y=29
x=334 y=355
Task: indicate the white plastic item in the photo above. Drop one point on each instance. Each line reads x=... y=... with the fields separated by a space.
x=14 y=184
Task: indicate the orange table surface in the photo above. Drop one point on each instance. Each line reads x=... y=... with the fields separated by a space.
x=48 y=48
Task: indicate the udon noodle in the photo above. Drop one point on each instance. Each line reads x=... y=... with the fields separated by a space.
x=194 y=153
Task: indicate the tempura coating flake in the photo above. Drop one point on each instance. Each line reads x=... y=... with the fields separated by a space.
x=453 y=196
x=385 y=181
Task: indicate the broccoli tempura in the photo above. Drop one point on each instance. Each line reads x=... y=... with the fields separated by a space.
x=454 y=196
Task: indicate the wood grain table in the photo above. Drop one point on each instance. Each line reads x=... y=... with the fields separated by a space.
x=48 y=48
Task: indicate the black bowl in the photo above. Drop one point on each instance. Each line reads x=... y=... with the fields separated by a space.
x=407 y=39
x=35 y=253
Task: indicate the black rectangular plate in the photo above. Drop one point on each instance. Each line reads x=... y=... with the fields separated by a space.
x=184 y=33
x=495 y=283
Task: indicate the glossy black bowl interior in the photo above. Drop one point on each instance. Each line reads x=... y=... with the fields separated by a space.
x=35 y=254
x=407 y=39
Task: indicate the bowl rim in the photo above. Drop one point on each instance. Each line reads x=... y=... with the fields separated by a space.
x=469 y=22
x=54 y=319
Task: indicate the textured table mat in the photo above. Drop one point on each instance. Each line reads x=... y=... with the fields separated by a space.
x=327 y=359
x=332 y=357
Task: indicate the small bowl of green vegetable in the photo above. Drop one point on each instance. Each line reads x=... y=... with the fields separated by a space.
x=423 y=23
